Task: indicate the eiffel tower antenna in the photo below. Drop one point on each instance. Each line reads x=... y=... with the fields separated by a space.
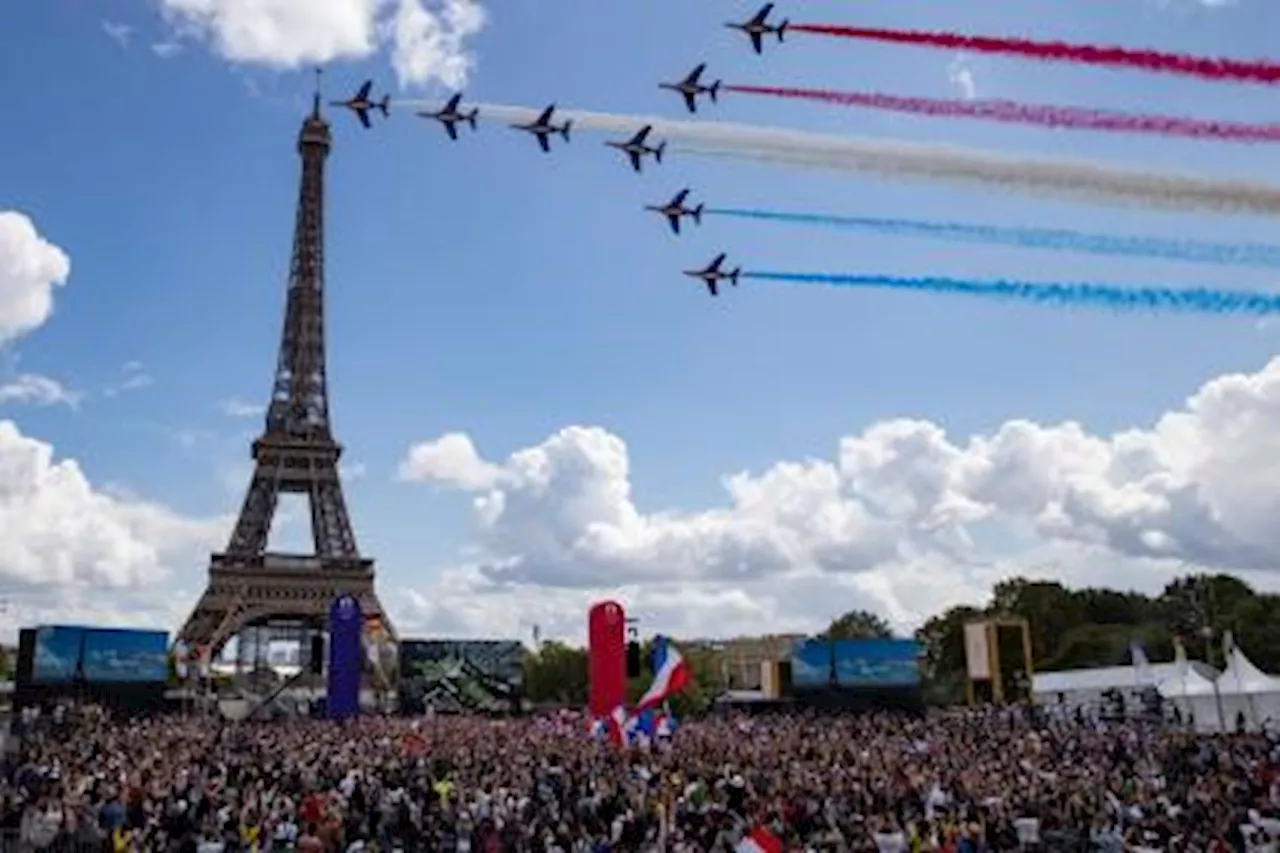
x=296 y=453
x=315 y=101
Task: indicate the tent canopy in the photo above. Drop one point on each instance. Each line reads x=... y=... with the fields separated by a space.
x=1241 y=676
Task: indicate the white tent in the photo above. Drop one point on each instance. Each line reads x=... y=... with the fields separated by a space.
x=1247 y=692
x=1194 y=695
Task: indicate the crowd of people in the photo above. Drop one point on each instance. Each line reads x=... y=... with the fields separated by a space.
x=966 y=782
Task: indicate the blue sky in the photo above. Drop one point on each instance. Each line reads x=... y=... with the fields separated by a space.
x=486 y=288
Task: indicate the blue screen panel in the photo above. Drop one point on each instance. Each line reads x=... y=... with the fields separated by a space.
x=57 y=654
x=877 y=663
x=811 y=664
x=126 y=656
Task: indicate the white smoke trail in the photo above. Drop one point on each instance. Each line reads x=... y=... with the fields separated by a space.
x=860 y=154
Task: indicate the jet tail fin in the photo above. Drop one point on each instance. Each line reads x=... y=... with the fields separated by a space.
x=782 y=28
x=733 y=276
x=714 y=91
x=564 y=131
x=385 y=105
x=471 y=119
x=657 y=152
x=697 y=214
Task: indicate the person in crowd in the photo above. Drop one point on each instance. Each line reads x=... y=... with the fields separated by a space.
x=954 y=782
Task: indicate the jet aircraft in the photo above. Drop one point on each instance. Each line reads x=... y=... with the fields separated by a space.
x=712 y=275
x=449 y=116
x=361 y=103
x=691 y=88
x=675 y=209
x=636 y=149
x=543 y=128
x=757 y=27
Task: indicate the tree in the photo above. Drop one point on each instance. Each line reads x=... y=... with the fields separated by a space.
x=858 y=625
x=557 y=673
x=6 y=663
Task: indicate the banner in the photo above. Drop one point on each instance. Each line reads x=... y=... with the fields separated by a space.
x=345 y=658
x=977 y=651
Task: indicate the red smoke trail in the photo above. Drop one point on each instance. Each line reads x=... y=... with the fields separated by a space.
x=1257 y=71
x=1013 y=112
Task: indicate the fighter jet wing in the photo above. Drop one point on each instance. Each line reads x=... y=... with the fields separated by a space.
x=452 y=106
x=363 y=94
x=674 y=219
x=542 y=140
x=755 y=41
x=711 y=285
x=364 y=116
x=635 y=159
x=690 y=101
x=762 y=14
x=695 y=74
x=451 y=129
x=545 y=118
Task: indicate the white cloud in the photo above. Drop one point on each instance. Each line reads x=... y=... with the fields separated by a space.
x=32 y=389
x=960 y=73
x=901 y=519
x=430 y=41
x=234 y=407
x=429 y=38
x=119 y=33
x=60 y=531
x=166 y=49
x=133 y=377
x=30 y=268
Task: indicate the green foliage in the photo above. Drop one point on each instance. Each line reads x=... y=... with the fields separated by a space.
x=1074 y=629
x=556 y=673
x=858 y=625
x=7 y=657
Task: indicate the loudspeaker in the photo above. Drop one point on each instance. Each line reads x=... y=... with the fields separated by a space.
x=784 y=678
x=633 y=659
x=317 y=654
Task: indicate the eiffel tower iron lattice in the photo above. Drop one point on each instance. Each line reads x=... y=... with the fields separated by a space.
x=296 y=453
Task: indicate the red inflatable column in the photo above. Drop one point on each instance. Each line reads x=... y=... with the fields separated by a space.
x=606 y=657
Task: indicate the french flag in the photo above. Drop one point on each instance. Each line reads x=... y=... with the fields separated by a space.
x=759 y=840
x=620 y=732
x=670 y=675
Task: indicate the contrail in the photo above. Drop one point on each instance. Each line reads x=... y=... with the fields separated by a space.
x=1209 y=68
x=1067 y=295
x=1055 y=239
x=861 y=154
x=1041 y=115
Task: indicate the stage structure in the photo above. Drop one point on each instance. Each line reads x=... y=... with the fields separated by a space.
x=982 y=655
x=296 y=453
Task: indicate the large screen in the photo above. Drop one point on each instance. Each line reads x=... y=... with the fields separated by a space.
x=811 y=664
x=57 y=654
x=123 y=655
x=877 y=663
x=460 y=675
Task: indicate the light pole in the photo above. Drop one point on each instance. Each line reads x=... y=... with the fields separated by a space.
x=1207 y=633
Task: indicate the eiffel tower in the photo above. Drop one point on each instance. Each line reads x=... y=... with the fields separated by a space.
x=296 y=453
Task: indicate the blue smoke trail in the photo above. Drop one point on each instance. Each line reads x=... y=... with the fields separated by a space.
x=1192 y=251
x=1192 y=300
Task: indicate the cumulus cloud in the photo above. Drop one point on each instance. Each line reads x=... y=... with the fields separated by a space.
x=429 y=39
x=901 y=518
x=62 y=532
x=30 y=268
